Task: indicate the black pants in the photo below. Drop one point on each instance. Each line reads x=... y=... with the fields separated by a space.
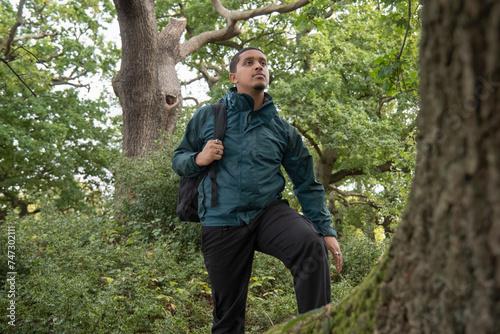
x=281 y=232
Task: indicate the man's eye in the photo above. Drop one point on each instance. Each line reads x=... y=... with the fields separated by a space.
x=263 y=64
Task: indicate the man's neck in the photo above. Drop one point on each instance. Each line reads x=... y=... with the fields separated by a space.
x=258 y=98
x=258 y=101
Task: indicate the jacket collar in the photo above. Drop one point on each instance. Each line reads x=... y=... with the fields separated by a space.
x=244 y=102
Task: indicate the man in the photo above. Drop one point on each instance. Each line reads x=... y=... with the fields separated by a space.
x=250 y=214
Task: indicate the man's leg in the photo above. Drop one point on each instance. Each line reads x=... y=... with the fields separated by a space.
x=287 y=235
x=228 y=253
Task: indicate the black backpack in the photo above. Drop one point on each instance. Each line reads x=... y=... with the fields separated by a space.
x=187 y=198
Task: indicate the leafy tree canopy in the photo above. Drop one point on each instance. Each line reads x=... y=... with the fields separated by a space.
x=355 y=102
x=49 y=132
x=345 y=75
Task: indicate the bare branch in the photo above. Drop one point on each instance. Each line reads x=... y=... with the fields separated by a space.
x=387 y=167
x=17 y=75
x=203 y=69
x=311 y=140
x=348 y=204
x=34 y=36
x=196 y=42
x=211 y=80
x=192 y=98
x=231 y=15
x=44 y=60
x=231 y=44
x=398 y=57
x=170 y=35
x=49 y=58
x=346 y=194
x=67 y=81
x=199 y=77
x=12 y=32
x=232 y=29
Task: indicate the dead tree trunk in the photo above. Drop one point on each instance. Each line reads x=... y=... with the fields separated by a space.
x=442 y=271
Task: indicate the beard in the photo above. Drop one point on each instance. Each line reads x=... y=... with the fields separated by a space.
x=259 y=86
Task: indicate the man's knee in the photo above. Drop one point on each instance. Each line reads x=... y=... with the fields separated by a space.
x=313 y=257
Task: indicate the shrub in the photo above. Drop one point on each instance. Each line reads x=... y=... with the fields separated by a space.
x=146 y=196
x=85 y=274
x=360 y=255
x=76 y=281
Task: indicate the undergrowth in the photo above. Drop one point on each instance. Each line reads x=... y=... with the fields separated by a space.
x=89 y=274
x=104 y=273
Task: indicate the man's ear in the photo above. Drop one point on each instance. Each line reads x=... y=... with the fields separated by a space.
x=232 y=77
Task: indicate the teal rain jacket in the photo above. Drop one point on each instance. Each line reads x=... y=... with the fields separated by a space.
x=249 y=178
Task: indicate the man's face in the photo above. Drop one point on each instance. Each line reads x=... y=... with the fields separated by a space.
x=252 y=73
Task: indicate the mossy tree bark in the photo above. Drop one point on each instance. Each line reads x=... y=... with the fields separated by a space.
x=442 y=271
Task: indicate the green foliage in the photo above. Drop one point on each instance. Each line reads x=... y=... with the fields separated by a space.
x=347 y=93
x=43 y=147
x=345 y=75
x=55 y=144
x=83 y=274
x=148 y=198
x=337 y=74
x=79 y=282
x=360 y=254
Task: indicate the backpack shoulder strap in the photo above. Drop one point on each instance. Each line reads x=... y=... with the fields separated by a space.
x=220 y=122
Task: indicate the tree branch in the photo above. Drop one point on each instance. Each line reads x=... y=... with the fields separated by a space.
x=192 y=98
x=34 y=36
x=310 y=139
x=232 y=29
x=170 y=35
x=338 y=176
x=398 y=57
x=346 y=194
x=369 y=203
x=247 y=14
x=42 y=61
x=199 y=77
x=18 y=77
x=66 y=80
x=196 y=42
x=348 y=204
x=12 y=32
x=211 y=80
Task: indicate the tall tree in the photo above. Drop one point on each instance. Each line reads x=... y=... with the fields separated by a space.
x=441 y=273
x=147 y=84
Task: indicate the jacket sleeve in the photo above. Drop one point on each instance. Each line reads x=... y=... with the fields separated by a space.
x=190 y=145
x=298 y=163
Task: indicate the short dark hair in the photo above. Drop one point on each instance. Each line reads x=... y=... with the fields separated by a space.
x=236 y=58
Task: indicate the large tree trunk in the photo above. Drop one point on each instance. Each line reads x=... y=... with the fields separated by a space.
x=442 y=271
x=147 y=84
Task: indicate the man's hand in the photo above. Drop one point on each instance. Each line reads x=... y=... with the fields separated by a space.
x=333 y=246
x=213 y=150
